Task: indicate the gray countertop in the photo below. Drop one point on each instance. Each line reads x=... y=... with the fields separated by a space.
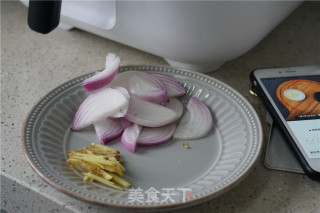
x=34 y=64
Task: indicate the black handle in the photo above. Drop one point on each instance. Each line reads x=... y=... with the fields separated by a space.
x=44 y=16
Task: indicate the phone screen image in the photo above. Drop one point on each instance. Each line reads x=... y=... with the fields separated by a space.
x=298 y=101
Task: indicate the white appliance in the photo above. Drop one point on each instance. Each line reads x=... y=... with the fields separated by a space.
x=196 y=35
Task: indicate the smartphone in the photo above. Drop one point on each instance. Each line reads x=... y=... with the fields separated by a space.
x=292 y=97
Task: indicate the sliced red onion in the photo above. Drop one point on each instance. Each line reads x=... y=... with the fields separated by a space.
x=97 y=106
x=173 y=87
x=175 y=105
x=124 y=91
x=104 y=77
x=149 y=114
x=141 y=84
x=108 y=129
x=125 y=123
x=129 y=136
x=122 y=112
x=153 y=136
x=196 y=122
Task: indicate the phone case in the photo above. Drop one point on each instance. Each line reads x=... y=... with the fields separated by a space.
x=311 y=173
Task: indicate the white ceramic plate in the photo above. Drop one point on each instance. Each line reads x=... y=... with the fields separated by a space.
x=179 y=177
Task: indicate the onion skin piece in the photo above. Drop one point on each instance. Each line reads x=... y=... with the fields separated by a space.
x=130 y=135
x=172 y=86
x=149 y=114
x=108 y=129
x=104 y=77
x=157 y=135
x=196 y=122
x=97 y=106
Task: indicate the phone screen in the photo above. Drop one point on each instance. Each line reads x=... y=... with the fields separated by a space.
x=298 y=102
